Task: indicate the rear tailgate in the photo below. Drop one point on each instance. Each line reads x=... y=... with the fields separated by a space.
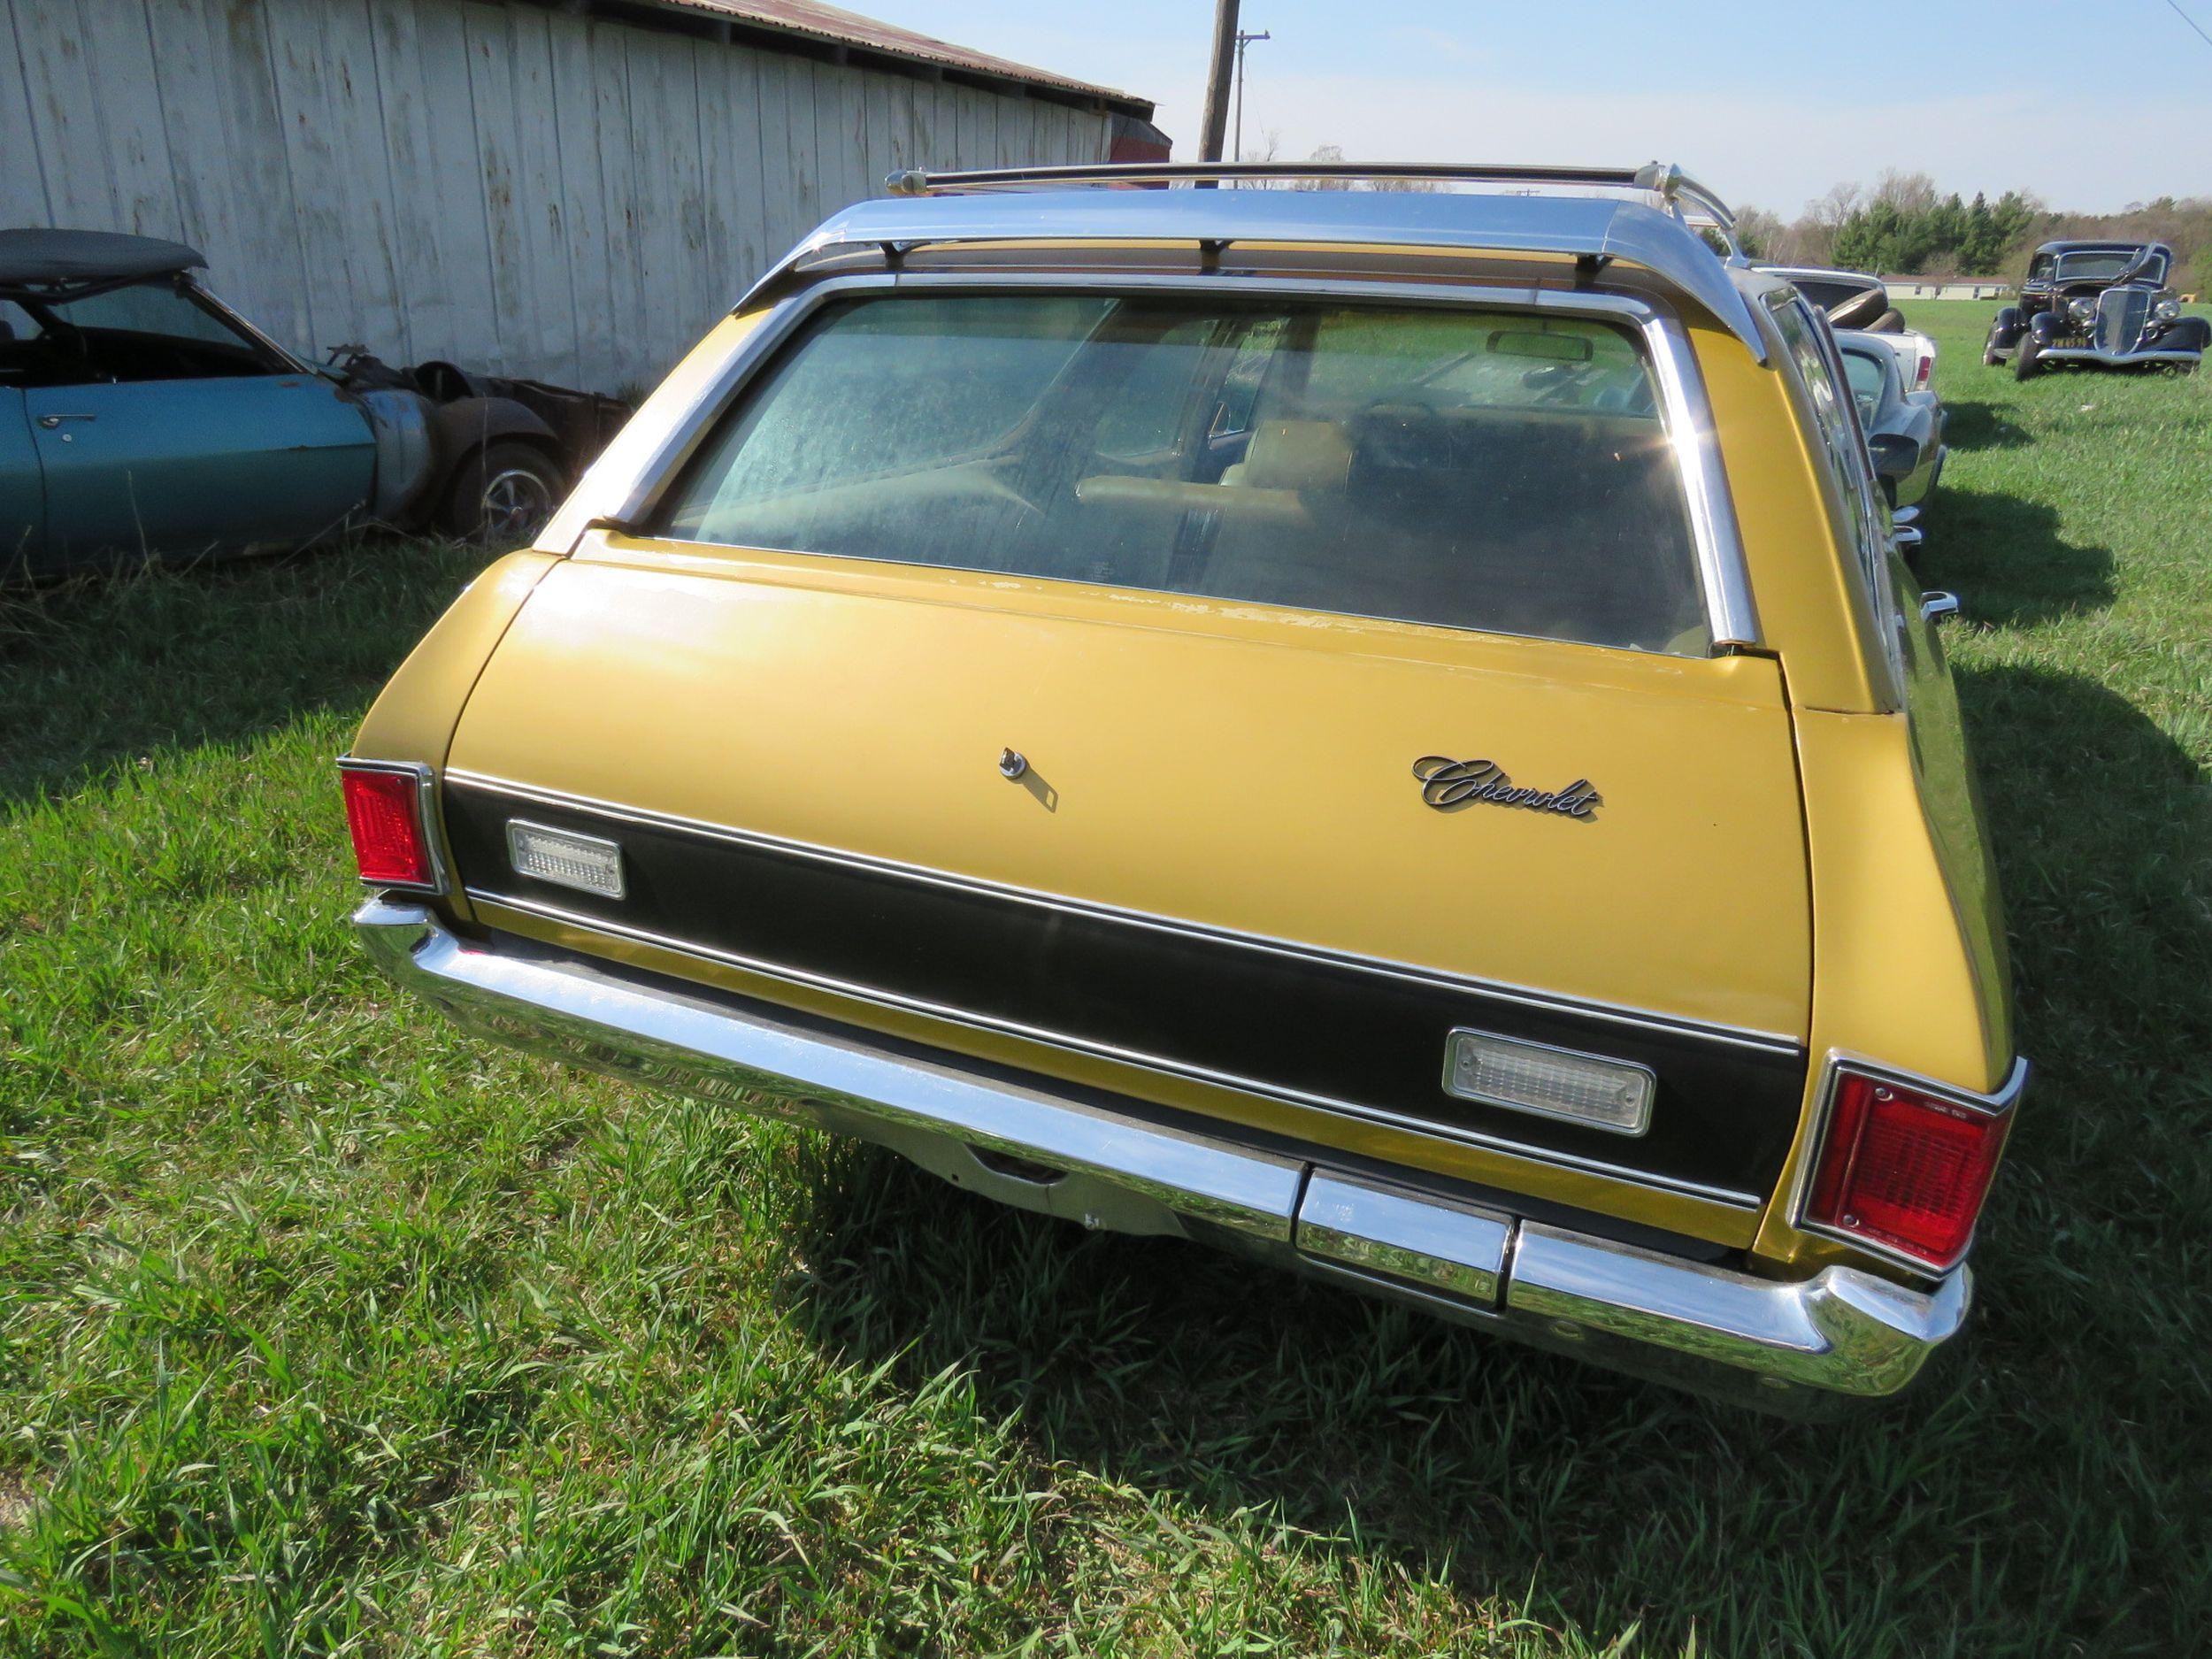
x=1217 y=877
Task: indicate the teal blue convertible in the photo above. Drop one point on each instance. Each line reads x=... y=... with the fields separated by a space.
x=139 y=415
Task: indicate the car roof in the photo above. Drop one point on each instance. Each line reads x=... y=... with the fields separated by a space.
x=1826 y=274
x=1579 y=225
x=2122 y=246
x=53 y=258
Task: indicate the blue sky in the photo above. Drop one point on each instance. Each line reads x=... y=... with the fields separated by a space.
x=2115 y=107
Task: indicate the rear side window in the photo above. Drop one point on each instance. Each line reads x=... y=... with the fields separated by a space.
x=1464 y=467
x=1864 y=370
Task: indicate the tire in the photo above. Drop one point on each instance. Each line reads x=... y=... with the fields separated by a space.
x=1990 y=359
x=2027 y=358
x=503 y=493
x=1889 y=322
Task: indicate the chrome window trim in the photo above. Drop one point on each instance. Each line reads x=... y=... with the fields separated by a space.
x=1831 y=1068
x=209 y=301
x=1685 y=416
x=1883 y=649
x=1528 y=996
x=426 y=822
x=1157 y=1064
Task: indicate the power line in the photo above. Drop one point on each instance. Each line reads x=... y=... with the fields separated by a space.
x=2191 y=21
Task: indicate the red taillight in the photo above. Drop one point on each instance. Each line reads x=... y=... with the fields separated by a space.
x=1920 y=375
x=384 y=810
x=1904 y=1172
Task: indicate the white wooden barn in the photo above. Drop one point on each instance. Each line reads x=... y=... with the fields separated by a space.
x=566 y=189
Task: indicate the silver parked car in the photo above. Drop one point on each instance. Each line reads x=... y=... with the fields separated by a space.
x=1903 y=428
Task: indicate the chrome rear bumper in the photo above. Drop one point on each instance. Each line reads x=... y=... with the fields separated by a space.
x=2118 y=359
x=1057 y=1150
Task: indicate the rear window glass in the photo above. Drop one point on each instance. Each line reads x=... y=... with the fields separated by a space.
x=1463 y=467
x=1864 y=370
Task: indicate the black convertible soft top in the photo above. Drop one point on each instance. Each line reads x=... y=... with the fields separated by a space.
x=73 y=258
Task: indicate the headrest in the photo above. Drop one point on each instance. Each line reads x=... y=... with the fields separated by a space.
x=1296 y=455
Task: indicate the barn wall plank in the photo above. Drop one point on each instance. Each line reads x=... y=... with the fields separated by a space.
x=614 y=140
x=840 y=137
x=344 y=290
x=115 y=33
x=514 y=279
x=355 y=112
x=263 y=267
x=664 y=178
x=66 y=115
x=24 y=199
x=539 y=199
x=786 y=159
x=195 y=115
x=729 y=120
x=513 y=187
x=570 y=111
x=430 y=59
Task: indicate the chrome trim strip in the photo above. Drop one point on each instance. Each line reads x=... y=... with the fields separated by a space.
x=666 y=1040
x=1157 y=1064
x=1658 y=236
x=1374 y=1229
x=1842 y=1330
x=1724 y=577
x=1688 y=417
x=427 y=825
x=672 y=450
x=1546 y=1001
x=1832 y=1068
x=2118 y=359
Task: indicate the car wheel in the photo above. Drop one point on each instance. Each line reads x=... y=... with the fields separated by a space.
x=1990 y=356
x=2027 y=358
x=505 y=493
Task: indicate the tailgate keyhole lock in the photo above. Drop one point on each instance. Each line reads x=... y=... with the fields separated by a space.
x=1012 y=763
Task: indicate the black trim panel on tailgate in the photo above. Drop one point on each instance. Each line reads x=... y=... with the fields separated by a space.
x=1334 y=1032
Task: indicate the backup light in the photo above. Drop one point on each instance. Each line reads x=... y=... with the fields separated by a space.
x=384 y=810
x=565 y=859
x=1534 y=1077
x=1903 y=1172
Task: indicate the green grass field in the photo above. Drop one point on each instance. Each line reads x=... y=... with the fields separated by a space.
x=326 y=1329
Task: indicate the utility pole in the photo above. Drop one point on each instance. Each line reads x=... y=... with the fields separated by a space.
x=1217 y=123
x=1243 y=41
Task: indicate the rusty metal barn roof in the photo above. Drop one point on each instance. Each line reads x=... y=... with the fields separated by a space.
x=808 y=21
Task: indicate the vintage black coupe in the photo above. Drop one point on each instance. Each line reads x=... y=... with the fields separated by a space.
x=2097 y=304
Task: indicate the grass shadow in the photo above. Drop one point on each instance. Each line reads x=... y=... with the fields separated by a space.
x=1968 y=424
x=98 y=672
x=2009 y=562
x=1393 y=1439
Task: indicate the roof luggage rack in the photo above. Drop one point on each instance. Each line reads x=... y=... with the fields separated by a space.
x=1663 y=180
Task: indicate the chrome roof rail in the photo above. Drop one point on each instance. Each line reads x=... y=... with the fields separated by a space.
x=1663 y=180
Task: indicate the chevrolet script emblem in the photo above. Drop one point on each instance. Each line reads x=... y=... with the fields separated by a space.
x=1447 y=783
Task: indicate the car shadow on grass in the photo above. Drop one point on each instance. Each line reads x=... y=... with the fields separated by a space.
x=2009 y=562
x=1386 y=1438
x=102 y=671
x=1969 y=424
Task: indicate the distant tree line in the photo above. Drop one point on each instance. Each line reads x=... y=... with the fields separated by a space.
x=1906 y=226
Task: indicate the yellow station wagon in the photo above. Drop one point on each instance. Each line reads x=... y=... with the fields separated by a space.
x=1383 y=729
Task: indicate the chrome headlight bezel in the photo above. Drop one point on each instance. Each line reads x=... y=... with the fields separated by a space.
x=2082 y=311
x=2168 y=310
